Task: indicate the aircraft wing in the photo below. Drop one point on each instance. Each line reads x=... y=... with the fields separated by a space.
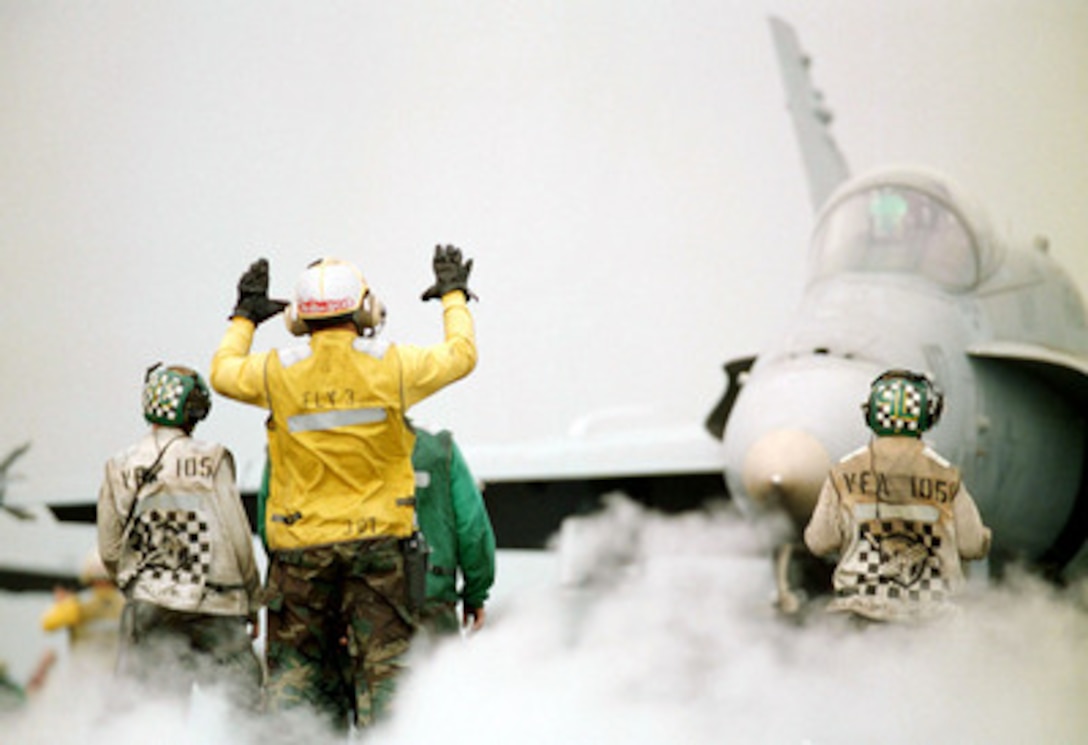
x=628 y=453
x=82 y=510
x=531 y=487
x=825 y=165
x=15 y=578
x=43 y=553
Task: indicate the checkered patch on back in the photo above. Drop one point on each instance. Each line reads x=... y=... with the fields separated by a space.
x=897 y=560
x=173 y=545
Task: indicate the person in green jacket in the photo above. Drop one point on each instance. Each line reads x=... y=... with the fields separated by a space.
x=453 y=519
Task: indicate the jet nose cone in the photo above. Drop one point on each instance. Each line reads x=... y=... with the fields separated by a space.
x=785 y=469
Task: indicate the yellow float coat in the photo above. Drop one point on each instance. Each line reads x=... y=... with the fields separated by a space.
x=338 y=442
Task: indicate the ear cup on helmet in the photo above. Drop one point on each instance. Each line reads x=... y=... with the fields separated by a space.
x=294 y=324
x=936 y=402
x=198 y=404
x=369 y=317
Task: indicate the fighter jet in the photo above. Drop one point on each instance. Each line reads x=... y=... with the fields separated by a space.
x=905 y=271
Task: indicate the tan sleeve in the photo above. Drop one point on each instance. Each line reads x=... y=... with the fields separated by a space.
x=236 y=526
x=109 y=523
x=972 y=537
x=824 y=533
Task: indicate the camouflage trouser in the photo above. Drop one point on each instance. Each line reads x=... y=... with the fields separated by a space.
x=440 y=619
x=338 y=629
x=167 y=651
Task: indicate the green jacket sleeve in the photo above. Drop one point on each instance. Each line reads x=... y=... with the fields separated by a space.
x=476 y=539
x=262 y=502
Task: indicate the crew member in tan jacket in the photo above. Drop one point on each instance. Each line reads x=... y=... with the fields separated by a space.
x=175 y=538
x=896 y=513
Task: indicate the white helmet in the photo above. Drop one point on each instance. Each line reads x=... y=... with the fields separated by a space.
x=333 y=289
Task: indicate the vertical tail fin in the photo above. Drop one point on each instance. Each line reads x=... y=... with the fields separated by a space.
x=825 y=165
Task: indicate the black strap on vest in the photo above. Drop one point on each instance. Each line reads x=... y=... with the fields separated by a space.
x=146 y=477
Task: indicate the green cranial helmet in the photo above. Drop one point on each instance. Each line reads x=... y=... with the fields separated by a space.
x=902 y=402
x=175 y=396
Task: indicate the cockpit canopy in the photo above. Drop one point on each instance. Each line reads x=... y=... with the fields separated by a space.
x=903 y=222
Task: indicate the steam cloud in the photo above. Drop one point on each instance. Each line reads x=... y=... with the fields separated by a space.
x=660 y=630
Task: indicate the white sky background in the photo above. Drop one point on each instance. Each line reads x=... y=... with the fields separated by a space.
x=623 y=173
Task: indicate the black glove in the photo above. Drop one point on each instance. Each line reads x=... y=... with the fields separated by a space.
x=253 y=300
x=450 y=273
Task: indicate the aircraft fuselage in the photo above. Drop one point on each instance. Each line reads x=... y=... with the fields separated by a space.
x=937 y=295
